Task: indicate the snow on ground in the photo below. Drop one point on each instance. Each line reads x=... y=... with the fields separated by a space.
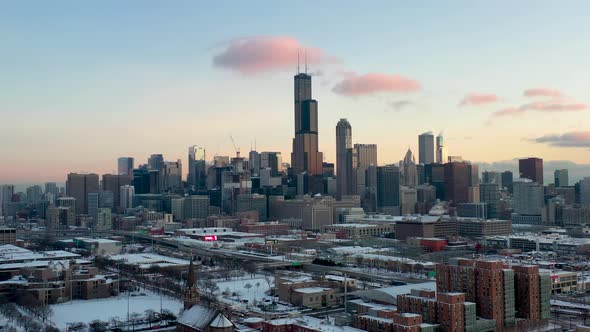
x=238 y=286
x=104 y=309
x=6 y=324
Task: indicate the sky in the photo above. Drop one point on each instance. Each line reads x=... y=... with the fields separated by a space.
x=82 y=83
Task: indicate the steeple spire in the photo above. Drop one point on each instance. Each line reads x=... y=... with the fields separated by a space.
x=190 y=280
x=191 y=292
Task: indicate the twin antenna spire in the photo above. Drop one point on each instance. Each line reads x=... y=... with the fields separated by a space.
x=305 y=57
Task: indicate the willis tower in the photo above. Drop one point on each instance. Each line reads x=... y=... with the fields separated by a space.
x=305 y=156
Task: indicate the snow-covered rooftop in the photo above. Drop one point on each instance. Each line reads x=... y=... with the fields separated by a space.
x=312 y=323
x=148 y=259
x=393 y=259
x=14 y=254
x=311 y=290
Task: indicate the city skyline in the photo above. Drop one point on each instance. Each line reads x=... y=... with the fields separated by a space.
x=96 y=94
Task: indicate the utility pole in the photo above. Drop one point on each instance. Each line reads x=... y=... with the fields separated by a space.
x=345 y=295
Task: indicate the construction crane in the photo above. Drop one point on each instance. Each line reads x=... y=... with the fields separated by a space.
x=235 y=146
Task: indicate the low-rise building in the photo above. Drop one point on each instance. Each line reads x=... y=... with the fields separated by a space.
x=359 y=230
x=559 y=243
x=102 y=247
x=265 y=228
x=563 y=281
x=473 y=227
x=7 y=235
x=314 y=297
x=305 y=324
x=54 y=281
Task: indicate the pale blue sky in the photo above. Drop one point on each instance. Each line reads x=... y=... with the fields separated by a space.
x=82 y=83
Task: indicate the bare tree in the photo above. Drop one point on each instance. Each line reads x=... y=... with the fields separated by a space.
x=257 y=286
x=98 y=326
x=250 y=268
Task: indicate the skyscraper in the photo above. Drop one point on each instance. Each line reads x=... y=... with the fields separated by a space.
x=491 y=177
x=196 y=206
x=6 y=192
x=490 y=194
x=388 y=189
x=527 y=202
x=584 y=188
x=254 y=159
x=51 y=188
x=343 y=158
x=172 y=175
x=272 y=160
x=125 y=166
x=426 y=148
x=366 y=156
x=507 y=179
x=79 y=186
x=112 y=183
x=156 y=162
x=34 y=194
x=441 y=152
x=532 y=169
x=197 y=169
x=126 y=194
x=457 y=179
x=561 y=178
x=305 y=156
x=410 y=173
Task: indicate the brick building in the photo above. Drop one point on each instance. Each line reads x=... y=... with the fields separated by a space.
x=264 y=228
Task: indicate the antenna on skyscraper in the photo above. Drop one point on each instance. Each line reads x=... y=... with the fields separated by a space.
x=298 y=62
x=306 y=61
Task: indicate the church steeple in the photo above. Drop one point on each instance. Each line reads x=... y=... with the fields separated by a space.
x=191 y=292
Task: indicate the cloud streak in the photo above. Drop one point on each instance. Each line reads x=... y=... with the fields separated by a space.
x=254 y=55
x=400 y=105
x=552 y=106
x=569 y=140
x=542 y=92
x=510 y=111
x=373 y=83
x=476 y=99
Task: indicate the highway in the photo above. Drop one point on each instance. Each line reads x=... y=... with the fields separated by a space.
x=174 y=248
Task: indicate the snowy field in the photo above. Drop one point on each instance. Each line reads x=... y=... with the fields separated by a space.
x=256 y=293
x=105 y=309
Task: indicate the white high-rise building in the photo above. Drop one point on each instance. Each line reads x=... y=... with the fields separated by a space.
x=426 y=148
x=441 y=152
x=197 y=169
x=104 y=219
x=409 y=170
x=365 y=155
x=126 y=193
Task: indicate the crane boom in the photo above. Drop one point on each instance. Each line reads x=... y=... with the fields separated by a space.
x=235 y=146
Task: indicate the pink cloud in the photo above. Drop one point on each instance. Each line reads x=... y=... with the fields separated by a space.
x=254 y=55
x=544 y=106
x=476 y=99
x=372 y=83
x=542 y=92
x=510 y=111
x=555 y=106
